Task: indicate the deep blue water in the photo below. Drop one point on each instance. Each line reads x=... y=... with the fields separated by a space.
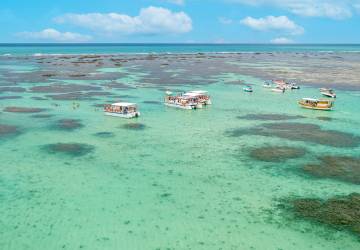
x=30 y=49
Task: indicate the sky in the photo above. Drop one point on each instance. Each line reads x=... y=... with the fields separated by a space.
x=180 y=21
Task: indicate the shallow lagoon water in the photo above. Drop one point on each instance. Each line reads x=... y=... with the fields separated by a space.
x=179 y=182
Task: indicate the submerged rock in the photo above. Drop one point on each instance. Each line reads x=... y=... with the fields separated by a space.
x=23 y=110
x=72 y=149
x=42 y=116
x=301 y=132
x=105 y=134
x=270 y=117
x=152 y=102
x=68 y=124
x=336 y=167
x=76 y=96
x=10 y=97
x=6 y=130
x=277 y=154
x=64 y=88
x=341 y=212
x=39 y=98
x=12 y=89
x=134 y=126
x=324 y=118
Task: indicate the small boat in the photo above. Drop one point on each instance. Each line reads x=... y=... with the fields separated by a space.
x=316 y=104
x=278 y=90
x=122 y=109
x=183 y=101
x=328 y=92
x=293 y=85
x=267 y=84
x=248 y=89
x=202 y=95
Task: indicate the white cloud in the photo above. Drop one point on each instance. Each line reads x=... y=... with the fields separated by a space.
x=336 y=9
x=224 y=20
x=55 y=35
x=281 y=40
x=151 y=20
x=280 y=23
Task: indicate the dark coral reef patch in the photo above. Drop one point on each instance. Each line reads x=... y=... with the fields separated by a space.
x=68 y=124
x=134 y=126
x=71 y=149
x=104 y=134
x=7 y=130
x=270 y=117
x=42 y=116
x=152 y=102
x=336 y=167
x=63 y=88
x=12 y=97
x=277 y=153
x=341 y=212
x=301 y=132
x=23 y=110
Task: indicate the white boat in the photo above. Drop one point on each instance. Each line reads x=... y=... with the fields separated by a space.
x=202 y=95
x=267 y=85
x=278 y=90
x=248 y=89
x=183 y=102
x=122 y=109
x=328 y=92
x=293 y=85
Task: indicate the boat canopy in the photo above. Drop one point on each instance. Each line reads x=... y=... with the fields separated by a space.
x=310 y=99
x=191 y=94
x=317 y=100
x=200 y=92
x=124 y=104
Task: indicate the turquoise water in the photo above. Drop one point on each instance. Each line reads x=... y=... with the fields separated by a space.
x=177 y=182
x=29 y=49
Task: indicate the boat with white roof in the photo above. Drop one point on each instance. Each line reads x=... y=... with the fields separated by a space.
x=122 y=109
x=186 y=101
x=202 y=95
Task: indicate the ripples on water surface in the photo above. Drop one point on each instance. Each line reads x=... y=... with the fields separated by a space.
x=231 y=176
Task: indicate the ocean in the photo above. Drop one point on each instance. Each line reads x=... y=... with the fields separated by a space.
x=29 y=49
x=250 y=171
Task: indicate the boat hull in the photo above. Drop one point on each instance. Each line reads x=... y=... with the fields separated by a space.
x=277 y=90
x=315 y=108
x=126 y=116
x=328 y=95
x=189 y=107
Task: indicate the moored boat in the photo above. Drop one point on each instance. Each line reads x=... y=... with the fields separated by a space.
x=293 y=85
x=122 y=109
x=328 y=92
x=248 y=89
x=202 y=95
x=316 y=104
x=267 y=84
x=182 y=101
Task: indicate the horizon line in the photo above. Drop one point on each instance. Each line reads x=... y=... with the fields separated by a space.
x=164 y=43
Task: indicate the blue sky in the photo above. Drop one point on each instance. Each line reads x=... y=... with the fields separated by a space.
x=183 y=21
